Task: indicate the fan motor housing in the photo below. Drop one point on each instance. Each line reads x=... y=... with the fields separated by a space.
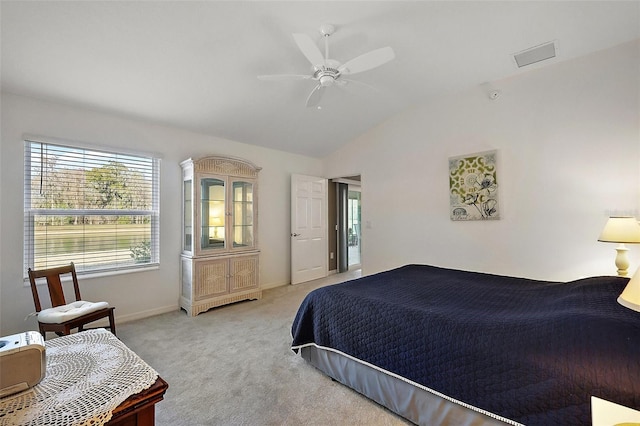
x=326 y=76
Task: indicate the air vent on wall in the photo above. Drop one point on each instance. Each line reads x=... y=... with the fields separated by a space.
x=535 y=54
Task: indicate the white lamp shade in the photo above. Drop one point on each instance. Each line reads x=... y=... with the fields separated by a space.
x=630 y=296
x=621 y=230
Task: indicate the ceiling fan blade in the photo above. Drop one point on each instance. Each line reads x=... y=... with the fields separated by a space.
x=280 y=77
x=315 y=95
x=367 y=61
x=309 y=49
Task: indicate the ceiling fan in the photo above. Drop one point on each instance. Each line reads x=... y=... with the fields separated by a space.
x=328 y=72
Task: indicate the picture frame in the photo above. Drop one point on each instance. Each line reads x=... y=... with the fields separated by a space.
x=473 y=187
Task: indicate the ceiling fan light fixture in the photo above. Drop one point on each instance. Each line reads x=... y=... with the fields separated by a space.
x=326 y=80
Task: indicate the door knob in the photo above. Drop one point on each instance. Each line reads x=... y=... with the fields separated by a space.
x=295 y=235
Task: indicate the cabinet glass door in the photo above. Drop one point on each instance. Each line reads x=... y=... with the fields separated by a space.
x=212 y=219
x=186 y=216
x=242 y=211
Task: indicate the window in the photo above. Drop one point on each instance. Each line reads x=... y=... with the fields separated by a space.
x=95 y=208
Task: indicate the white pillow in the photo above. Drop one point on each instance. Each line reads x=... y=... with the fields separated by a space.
x=63 y=313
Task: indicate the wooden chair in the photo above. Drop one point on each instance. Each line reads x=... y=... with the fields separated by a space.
x=61 y=318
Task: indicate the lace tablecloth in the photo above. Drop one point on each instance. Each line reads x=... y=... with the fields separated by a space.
x=88 y=375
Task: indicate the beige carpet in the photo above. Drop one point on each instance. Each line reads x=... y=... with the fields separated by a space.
x=233 y=366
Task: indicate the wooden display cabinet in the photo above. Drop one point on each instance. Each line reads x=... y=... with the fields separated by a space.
x=220 y=261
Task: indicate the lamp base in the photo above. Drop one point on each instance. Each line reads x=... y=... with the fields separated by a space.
x=622 y=260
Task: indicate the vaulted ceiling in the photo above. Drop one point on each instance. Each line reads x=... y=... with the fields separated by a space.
x=194 y=64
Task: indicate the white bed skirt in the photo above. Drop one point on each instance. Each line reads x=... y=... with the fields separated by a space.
x=403 y=397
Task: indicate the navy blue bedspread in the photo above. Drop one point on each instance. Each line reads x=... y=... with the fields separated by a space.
x=530 y=351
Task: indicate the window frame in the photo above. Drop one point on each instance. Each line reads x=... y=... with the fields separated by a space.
x=31 y=213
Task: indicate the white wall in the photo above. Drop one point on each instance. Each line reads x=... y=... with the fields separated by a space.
x=568 y=141
x=138 y=294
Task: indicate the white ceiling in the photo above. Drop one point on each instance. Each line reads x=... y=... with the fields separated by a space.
x=194 y=64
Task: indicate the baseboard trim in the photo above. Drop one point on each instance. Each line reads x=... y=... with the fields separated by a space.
x=144 y=314
x=273 y=285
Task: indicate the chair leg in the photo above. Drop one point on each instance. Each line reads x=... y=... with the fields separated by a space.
x=42 y=331
x=112 y=323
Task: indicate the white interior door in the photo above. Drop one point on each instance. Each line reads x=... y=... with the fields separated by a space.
x=308 y=228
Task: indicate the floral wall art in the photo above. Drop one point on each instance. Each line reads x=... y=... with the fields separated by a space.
x=473 y=187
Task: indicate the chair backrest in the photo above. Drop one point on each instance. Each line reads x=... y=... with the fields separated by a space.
x=54 y=284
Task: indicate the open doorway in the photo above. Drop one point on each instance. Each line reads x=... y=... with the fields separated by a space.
x=347 y=241
x=353 y=227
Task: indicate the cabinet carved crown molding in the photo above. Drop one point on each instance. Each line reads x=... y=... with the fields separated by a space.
x=229 y=166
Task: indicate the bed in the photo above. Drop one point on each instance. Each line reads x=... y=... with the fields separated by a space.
x=442 y=346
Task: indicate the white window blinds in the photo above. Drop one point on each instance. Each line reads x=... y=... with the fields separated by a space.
x=95 y=208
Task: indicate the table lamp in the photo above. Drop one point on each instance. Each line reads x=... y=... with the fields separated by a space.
x=630 y=296
x=622 y=230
